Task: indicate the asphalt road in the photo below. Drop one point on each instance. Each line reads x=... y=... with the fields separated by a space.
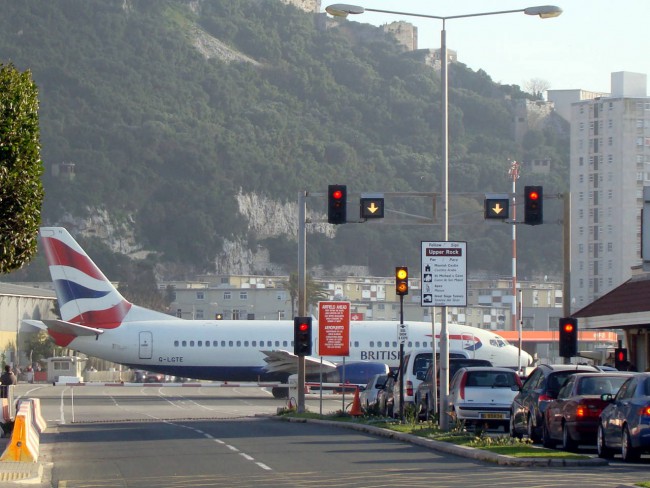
x=191 y=437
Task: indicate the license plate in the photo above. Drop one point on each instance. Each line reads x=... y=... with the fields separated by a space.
x=493 y=416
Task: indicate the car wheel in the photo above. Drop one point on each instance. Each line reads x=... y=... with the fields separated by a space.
x=512 y=429
x=547 y=441
x=603 y=451
x=530 y=429
x=628 y=452
x=568 y=443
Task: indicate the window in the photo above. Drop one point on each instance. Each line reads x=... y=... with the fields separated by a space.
x=227 y=295
x=243 y=295
x=175 y=343
x=200 y=295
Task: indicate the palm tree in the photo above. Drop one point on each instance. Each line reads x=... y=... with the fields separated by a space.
x=315 y=292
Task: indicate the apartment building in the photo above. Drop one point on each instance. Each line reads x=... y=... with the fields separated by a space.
x=609 y=166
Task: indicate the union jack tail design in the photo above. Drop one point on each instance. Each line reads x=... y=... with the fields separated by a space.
x=85 y=295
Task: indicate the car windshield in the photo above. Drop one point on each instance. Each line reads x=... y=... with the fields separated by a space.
x=422 y=362
x=557 y=380
x=496 y=379
x=598 y=386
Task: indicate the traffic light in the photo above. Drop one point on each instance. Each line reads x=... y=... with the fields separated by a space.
x=302 y=336
x=533 y=205
x=620 y=359
x=402 y=280
x=337 y=196
x=568 y=337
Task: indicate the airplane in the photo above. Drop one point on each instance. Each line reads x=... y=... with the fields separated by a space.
x=98 y=321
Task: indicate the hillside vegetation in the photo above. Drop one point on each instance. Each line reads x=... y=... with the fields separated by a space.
x=169 y=109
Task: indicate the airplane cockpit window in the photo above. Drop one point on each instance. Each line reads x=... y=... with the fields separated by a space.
x=493 y=342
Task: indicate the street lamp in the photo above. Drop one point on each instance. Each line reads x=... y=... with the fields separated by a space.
x=544 y=12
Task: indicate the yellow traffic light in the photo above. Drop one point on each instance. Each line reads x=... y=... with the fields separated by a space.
x=402 y=280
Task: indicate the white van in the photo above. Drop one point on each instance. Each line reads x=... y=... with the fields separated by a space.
x=415 y=361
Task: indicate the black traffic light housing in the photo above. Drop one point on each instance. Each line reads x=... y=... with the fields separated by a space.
x=401 y=280
x=568 y=337
x=620 y=359
x=302 y=336
x=337 y=203
x=533 y=205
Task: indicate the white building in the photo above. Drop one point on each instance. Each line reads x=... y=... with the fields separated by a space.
x=609 y=166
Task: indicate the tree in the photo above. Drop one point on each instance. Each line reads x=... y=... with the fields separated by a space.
x=21 y=190
x=537 y=87
x=315 y=292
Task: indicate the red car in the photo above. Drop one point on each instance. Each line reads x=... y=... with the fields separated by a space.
x=572 y=418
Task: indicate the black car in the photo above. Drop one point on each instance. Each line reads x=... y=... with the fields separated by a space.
x=422 y=404
x=541 y=386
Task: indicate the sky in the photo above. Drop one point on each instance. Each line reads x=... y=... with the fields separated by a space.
x=578 y=49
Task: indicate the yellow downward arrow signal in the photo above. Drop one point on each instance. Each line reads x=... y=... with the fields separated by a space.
x=373 y=208
x=497 y=209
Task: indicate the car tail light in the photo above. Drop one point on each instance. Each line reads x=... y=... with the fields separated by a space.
x=463 y=380
x=589 y=410
x=645 y=411
x=545 y=398
x=409 y=388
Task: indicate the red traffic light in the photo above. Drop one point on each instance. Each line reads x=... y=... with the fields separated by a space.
x=621 y=356
x=337 y=194
x=303 y=327
x=568 y=327
x=533 y=195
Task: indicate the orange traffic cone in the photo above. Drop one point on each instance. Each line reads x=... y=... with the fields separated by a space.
x=356 y=405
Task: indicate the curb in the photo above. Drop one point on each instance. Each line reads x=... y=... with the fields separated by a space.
x=463 y=451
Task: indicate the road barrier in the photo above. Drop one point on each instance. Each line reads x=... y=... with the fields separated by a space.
x=24 y=444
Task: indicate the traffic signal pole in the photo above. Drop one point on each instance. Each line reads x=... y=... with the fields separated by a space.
x=302 y=292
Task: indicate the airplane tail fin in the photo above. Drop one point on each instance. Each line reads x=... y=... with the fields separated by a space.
x=86 y=297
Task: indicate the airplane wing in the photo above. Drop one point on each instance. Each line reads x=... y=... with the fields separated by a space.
x=63 y=327
x=285 y=362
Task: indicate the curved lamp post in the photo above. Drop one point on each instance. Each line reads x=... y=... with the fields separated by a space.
x=544 y=12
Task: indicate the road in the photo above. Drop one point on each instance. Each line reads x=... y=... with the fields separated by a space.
x=182 y=437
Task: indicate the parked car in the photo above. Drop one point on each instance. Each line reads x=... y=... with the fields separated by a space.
x=416 y=363
x=422 y=404
x=625 y=422
x=385 y=399
x=368 y=396
x=482 y=395
x=541 y=386
x=572 y=418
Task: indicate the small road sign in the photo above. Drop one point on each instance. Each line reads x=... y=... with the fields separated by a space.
x=497 y=207
x=402 y=333
x=371 y=206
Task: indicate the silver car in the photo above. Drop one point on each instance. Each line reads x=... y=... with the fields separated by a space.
x=482 y=395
